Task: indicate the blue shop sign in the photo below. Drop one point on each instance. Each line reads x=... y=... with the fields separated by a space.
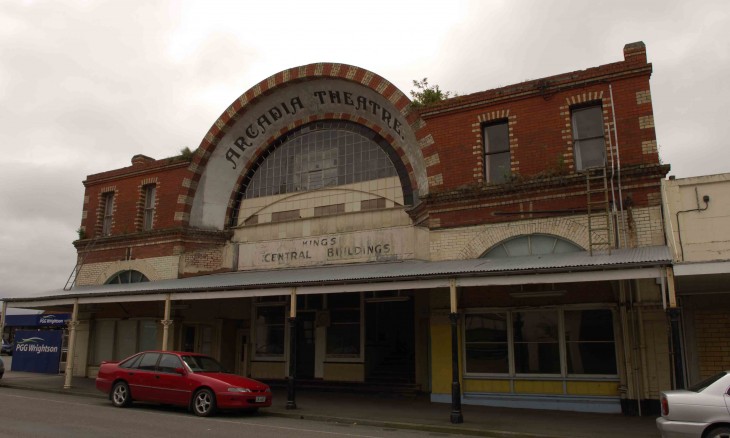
x=57 y=320
x=50 y=320
x=37 y=351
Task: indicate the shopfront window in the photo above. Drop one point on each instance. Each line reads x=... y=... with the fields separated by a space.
x=486 y=343
x=270 y=331
x=589 y=342
x=535 y=336
x=115 y=339
x=567 y=342
x=343 y=333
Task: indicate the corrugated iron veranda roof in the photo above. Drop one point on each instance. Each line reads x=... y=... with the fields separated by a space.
x=368 y=273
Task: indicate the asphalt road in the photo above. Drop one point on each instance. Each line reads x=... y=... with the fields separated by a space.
x=38 y=414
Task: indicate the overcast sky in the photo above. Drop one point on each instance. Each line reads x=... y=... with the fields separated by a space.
x=85 y=85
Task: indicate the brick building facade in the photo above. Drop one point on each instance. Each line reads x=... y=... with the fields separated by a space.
x=324 y=210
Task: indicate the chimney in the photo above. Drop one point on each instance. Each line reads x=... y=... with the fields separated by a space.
x=635 y=52
x=141 y=159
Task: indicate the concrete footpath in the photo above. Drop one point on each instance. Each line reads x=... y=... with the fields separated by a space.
x=413 y=413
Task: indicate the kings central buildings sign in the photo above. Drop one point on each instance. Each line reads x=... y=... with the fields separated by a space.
x=385 y=245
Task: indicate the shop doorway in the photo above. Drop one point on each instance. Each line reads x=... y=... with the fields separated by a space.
x=389 y=340
x=305 y=345
x=197 y=338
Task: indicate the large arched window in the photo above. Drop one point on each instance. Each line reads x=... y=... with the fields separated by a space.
x=531 y=244
x=323 y=154
x=125 y=277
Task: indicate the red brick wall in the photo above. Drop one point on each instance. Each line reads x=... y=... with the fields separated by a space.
x=168 y=179
x=542 y=162
x=541 y=132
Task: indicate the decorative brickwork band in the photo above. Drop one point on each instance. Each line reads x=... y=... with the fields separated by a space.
x=590 y=96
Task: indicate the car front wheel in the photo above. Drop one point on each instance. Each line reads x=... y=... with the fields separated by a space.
x=720 y=432
x=120 y=395
x=204 y=403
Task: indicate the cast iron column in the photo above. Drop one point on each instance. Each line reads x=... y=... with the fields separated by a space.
x=291 y=402
x=71 y=347
x=674 y=319
x=166 y=323
x=456 y=416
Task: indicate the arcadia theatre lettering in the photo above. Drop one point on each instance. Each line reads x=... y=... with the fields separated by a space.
x=287 y=109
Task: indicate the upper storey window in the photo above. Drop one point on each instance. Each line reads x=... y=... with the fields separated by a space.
x=496 y=152
x=588 y=141
x=321 y=155
x=108 y=209
x=150 y=192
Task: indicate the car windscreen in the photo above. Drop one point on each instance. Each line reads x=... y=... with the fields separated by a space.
x=699 y=387
x=203 y=364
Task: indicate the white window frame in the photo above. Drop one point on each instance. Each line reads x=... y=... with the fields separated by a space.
x=580 y=142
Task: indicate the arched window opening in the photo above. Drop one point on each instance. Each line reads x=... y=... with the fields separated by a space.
x=531 y=244
x=322 y=155
x=129 y=276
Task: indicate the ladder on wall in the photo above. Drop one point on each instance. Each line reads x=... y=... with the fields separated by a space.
x=599 y=213
x=79 y=262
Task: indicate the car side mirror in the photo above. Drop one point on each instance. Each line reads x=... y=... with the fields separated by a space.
x=180 y=370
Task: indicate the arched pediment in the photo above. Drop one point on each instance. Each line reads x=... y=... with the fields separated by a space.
x=560 y=227
x=140 y=265
x=282 y=103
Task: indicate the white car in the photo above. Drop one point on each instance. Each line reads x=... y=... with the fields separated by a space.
x=700 y=411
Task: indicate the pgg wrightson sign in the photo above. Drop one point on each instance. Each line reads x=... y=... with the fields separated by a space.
x=37 y=351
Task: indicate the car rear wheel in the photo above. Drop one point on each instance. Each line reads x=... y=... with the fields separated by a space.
x=121 y=397
x=204 y=403
x=720 y=432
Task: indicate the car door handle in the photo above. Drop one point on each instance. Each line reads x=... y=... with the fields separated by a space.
x=157 y=376
x=131 y=374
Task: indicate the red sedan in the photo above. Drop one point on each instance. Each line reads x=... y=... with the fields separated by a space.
x=192 y=380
